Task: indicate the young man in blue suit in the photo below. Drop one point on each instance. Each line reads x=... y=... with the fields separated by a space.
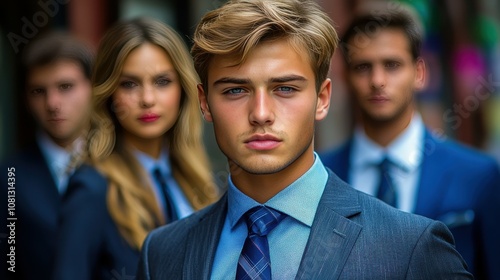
x=263 y=67
x=428 y=175
x=58 y=94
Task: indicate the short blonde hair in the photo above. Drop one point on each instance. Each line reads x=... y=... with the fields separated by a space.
x=240 y=25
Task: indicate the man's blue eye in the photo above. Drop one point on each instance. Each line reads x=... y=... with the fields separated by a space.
x=235 y=91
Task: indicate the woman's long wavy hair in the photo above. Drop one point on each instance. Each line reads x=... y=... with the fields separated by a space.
x=131 y=201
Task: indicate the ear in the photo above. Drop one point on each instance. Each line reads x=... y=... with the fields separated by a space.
x=323 y=103
x=205 y=109
x=420 y=75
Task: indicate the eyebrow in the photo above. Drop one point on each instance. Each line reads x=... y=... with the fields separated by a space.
x=157 y=75
x=288 y=78
x=239 y=81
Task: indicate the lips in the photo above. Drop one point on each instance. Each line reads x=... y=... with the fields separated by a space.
x=262 y=142
x=56 y=120
x=378 y=99
x=148 y=118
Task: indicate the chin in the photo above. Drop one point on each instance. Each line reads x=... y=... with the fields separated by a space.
x=262 y=168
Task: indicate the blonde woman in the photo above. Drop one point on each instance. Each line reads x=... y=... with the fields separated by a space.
x=148 y=164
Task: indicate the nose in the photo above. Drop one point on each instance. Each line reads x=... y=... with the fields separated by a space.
x=53 y=100
x=378 y=78
x=261 y=108
x=147 y=97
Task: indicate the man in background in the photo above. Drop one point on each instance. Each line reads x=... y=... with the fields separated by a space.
x=393 y=156
x=58 y=94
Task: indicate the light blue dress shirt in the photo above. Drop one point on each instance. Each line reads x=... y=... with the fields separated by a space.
x=182 y=205
x=288 y=240
x=406 y=152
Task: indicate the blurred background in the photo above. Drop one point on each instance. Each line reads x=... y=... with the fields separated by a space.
x=461 y=49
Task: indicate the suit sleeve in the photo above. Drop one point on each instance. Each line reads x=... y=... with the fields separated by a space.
x=435 y=256
x=80 y=236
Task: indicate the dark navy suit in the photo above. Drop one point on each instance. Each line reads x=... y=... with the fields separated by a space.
x=37 y=209
x=458 y=186
x=90 y=245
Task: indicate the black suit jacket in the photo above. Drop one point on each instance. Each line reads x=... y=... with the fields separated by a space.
x=37 y=209
x=90 y=245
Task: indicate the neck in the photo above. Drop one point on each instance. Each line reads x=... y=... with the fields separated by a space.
x=151 y=147
x=262 y=187
x=67 y=143
x=385 y=132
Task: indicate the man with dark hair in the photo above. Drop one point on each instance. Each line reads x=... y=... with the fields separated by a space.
x=393 y=156
x=58 y=94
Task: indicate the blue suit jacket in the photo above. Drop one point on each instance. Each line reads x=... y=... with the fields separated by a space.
x=90 y=245
x=37 y=209
x=458 y=186
x=353 y=236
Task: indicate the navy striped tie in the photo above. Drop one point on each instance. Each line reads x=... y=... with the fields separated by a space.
x=386 y=189
x=170 y=213
x=254 y=262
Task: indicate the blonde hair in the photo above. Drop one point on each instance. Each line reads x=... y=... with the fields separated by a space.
x=240 y=25
x=131 y=201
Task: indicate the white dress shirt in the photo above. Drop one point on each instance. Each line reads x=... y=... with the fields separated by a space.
x=405 y=152
x=58 y=159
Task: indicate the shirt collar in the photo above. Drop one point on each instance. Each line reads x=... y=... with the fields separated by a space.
x=405 y=151
x=150 y=164
x=57 y=157
x=299 y=200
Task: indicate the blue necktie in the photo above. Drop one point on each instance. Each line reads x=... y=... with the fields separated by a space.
x=386 y=191
x=170 y=213
x=254 y=262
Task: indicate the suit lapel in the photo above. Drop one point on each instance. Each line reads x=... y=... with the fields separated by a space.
x=434 y=173
x=200 y=255
x=332 y=234
x=39 y=185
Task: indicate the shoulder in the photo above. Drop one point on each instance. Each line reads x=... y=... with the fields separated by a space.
x=165 y=249
x=458 y=154
x=178 y=230
x=339 y=152
x=86 y=185
x=370 y=212
x=174 y=238
x=380 y=235
x=89 y=178
x=408 y=237
x=384 y=218
x=29 y=155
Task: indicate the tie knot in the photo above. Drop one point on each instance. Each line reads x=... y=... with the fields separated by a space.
x=156 y=171
x=385 y=164
x=261 y=220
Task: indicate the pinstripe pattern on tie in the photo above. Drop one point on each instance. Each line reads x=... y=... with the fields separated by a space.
x=170 y=213
x=386 y=189
x=254 y=262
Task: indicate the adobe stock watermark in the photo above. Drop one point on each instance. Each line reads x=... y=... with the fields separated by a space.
x=30 y=28
x=483 y=91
